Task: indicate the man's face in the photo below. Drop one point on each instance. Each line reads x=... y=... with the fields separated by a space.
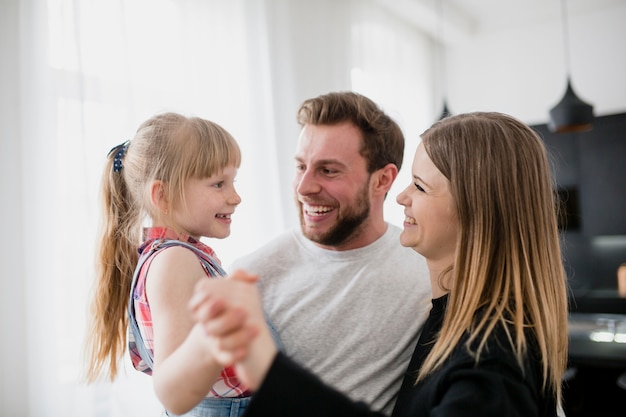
x=332 y=185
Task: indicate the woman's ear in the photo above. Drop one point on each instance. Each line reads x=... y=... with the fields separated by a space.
x=158 y=196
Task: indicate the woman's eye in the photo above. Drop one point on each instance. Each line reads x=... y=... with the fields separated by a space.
x=418 y=187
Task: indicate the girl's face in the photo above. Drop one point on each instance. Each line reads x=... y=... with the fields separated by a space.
x=208 y=206
x=430 y=224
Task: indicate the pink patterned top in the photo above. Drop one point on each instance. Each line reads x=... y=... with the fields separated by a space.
x=227 y=385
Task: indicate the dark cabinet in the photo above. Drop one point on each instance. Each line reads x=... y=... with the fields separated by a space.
x=590 y=173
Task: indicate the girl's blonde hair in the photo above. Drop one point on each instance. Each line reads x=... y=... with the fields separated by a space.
x=170 y=148
x=508 y=258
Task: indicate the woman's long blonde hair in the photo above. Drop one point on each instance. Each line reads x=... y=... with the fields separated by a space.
x=168 y=147
x=508 y=258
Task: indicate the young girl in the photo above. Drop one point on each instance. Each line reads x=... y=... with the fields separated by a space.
x=481 y=210
x=179 y=172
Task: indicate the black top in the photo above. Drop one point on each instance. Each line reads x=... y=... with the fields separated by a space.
x=496 y=387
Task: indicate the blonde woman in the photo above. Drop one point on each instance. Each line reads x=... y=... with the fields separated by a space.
x=481 y=210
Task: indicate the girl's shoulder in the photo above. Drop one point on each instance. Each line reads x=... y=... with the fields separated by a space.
x=174 y=261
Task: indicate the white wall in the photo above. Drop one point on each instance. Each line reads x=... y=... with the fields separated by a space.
x=521 y=70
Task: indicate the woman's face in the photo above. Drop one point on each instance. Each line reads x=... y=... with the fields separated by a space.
x=430 y=224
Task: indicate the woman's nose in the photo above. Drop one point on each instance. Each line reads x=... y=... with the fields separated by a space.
x=401 y=198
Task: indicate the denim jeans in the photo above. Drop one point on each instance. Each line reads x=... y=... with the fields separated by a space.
x=217 y=407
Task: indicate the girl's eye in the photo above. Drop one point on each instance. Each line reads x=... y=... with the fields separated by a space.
x=219 y=184
x=418 y=187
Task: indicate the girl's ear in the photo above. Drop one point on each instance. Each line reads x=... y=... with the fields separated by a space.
x=158 y=196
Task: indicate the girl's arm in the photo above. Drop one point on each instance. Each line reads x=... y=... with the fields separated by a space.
x=184 y=370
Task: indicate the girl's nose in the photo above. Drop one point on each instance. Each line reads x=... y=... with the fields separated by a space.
x=235 y=199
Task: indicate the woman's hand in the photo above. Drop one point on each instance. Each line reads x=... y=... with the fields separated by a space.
x=230 y=313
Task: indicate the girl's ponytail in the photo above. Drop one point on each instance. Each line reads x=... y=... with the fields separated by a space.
x=116 y=260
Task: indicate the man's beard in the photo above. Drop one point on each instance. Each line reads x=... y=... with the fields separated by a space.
x=347 y=225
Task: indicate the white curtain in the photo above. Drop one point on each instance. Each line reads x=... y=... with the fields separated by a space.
x=78 y=77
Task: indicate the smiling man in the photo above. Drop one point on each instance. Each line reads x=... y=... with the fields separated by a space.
x=341 y=291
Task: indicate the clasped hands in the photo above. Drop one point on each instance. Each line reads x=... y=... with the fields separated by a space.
x=230 y=313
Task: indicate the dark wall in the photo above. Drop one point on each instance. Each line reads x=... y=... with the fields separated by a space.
x=590 y=171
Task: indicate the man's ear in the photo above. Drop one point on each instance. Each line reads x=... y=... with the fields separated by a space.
x=158 y=196
x=384 y=178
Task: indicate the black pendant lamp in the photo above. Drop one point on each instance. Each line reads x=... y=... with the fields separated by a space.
x=445 y=112
x=571 y=114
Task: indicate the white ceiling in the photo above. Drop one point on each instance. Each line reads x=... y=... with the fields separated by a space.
x=453 y=20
